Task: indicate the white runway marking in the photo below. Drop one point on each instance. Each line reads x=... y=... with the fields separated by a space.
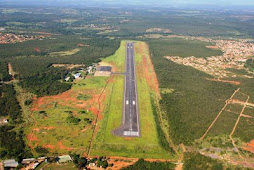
x=130 y=133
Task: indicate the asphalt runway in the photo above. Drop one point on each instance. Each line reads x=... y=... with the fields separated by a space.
x=130 y=119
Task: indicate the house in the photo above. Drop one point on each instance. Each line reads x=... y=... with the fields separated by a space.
x=90 y=69
x=35 y=165
x=103 y=71
x=67 y=79
x=10 y=163
x=28 y=160
x=64 y=159
x=77 y=75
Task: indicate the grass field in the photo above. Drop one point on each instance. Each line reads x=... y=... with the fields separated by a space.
x=48 y=122
x=65 y=53
x=55 y=166
x=147 y=145
x=185 y=48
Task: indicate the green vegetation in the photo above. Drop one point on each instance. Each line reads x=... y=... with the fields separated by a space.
x=72 y=119
x=9 y=105
x=142 y=164
x=46 y=82
x=4 y=74
x=184 y=48
x=56 y=166
x=250 y=64
x=33 y=68
x=12 y=143
x=69 y=120
x=83 y=97
x=194 y=101
x=193 y=161
x=106 y=143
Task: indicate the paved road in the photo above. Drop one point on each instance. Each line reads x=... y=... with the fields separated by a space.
x=130 y=120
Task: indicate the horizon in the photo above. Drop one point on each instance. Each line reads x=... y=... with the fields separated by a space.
x=126 y=3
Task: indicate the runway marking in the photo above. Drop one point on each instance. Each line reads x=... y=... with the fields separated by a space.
x=130 y=133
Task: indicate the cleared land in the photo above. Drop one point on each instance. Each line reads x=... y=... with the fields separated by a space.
x=64 y=122
x=148 y=145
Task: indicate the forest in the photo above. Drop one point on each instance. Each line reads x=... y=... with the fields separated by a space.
x=9 y=105
x=142 y=164
x=34 y=70
x=193 y=161
x=194 y=101
x=11 y=138
x=4 y=74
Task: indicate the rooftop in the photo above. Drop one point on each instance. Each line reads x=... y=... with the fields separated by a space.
x=104 y=68
x=64 y=158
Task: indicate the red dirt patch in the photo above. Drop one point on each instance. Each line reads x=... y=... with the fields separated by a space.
x=37 y=50
x=48 y=146
x=32 y=137
x=225 y=81
x=44 y=128
x=62 y=147
x=127 y=138
x=250 y=146
x=212 y=47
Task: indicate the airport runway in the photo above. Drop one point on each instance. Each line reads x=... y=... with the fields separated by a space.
x=130 y=120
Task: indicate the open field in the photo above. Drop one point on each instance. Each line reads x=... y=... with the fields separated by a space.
x=65 y=53
x=56 y=166
x=147 y=145
x=64 y=122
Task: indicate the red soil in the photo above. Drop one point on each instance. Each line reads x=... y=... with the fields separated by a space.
x=127 y=138
x=44 y=128
x=250 y=146
x=226 y=81
x=148 y=71
x=46 y=33
x=66 y=98
x=37 y=50
x=212 y=47
x=62 y=147
x=31 y=137
x=48 y=146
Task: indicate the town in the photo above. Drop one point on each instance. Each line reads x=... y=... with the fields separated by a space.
x=235 y=55
x=14 y=38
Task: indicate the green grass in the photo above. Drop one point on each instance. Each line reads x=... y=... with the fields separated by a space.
x=65 y=53
x=55 y=166
x=118 y=58
x=185 y=48
x=106 y=143
x=75 y=136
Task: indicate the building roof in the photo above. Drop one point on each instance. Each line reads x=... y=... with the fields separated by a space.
x=77 y=75
x=28 y=160
x=104 y=68
x=64 y=158
x=10 y=163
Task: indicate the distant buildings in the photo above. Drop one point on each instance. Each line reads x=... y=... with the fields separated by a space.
x=14 y=38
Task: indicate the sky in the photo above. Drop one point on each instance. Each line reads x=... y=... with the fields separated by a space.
x=134 y=2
